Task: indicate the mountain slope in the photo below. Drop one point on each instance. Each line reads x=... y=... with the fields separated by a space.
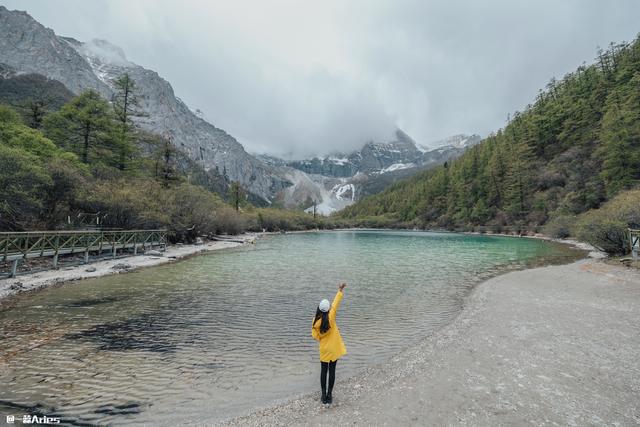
x=342 y=179
x=576 y=146
x=18 y=89
x=27 y=46
x=401 y=152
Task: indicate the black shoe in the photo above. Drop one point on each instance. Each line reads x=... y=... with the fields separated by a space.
x=323 y=399
x=329 y=399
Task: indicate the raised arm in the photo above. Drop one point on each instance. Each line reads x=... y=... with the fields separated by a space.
x=336 y=301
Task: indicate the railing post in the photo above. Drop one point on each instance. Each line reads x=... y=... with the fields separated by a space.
x=87 y=241
x=55 y=256
x=6 y=248
x=113 y=244
x=135 y=243
x=14 y=268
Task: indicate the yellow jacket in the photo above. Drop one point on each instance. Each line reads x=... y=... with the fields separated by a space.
x=331 y=345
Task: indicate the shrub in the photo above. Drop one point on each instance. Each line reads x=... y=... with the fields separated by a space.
x=24 y=184
x=186 y=211
x=606 y=228
x=67 y=182
x=560 y=226
x=229 y=221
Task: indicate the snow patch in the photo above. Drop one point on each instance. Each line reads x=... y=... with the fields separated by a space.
x=423 y=149
x=397 y=166
x=328 y=194
x=342 y=191
x=338 y=161
x=99 y=69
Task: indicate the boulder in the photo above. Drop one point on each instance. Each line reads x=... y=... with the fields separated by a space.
x=16 y=286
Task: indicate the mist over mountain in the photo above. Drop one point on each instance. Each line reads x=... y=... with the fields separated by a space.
x=570 y=161
x=331 y=182
x=338 y=180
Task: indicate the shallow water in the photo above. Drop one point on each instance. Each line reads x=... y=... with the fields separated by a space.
x=215 y=335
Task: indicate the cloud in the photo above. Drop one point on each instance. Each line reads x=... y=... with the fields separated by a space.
x=296 y=78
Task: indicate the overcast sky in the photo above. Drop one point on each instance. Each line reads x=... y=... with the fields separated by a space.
x=295 y=78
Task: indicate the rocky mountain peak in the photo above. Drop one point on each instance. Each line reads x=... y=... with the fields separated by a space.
x=103 y=52
x=458 y=141
x=27 y=46
x=30 y=47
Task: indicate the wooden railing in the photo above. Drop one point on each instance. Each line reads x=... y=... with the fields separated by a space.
x=634 y=242
x=37 y=244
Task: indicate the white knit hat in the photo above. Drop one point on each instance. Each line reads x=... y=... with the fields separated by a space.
x=324 y=305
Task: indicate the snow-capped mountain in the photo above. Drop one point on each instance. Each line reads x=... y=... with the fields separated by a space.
x=341 y=179
x=456 y=141
x=372 y=157
x=383 y=157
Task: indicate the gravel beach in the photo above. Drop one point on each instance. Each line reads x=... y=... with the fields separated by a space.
x=556 y=345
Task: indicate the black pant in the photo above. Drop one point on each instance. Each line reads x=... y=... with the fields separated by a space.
x=331 y=366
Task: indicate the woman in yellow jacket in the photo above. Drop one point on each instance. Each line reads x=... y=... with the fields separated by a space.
x=325 y=330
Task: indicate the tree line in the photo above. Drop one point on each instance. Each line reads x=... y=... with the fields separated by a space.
x=60 y=162
x=575 y=148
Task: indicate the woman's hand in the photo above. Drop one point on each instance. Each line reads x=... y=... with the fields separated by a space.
x=341 y=286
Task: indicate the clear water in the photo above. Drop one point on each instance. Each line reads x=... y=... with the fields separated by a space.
x=216 y=335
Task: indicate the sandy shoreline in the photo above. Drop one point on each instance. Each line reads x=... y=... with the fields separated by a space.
x=38 y=280
x=555 y=345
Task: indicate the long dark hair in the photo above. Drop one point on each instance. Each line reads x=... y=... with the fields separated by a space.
x=324 y=326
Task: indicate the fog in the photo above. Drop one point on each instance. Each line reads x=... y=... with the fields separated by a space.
x=296 y=78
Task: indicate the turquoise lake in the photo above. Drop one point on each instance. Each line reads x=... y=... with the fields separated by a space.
x=216 y=335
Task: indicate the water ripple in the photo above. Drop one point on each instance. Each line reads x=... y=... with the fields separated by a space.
x=214 y=335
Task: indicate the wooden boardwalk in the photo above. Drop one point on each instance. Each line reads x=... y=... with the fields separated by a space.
x=37 y=244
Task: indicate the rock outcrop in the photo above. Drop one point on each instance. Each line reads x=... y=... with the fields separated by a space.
x=27 y=46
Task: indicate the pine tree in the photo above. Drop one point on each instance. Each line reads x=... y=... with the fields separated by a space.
x=236 y=195
x=621 y=140
x=126 y=106
x=83 y=126
x=518 y=180
x=165 y=164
